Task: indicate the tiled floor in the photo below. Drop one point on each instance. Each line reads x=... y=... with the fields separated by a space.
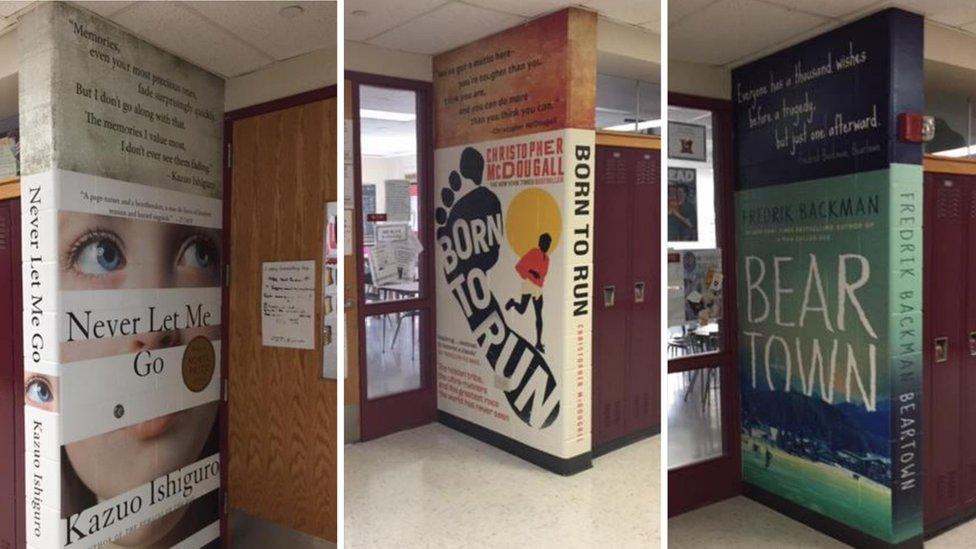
x=741 y=522
x=434 y=487
x=249 y=532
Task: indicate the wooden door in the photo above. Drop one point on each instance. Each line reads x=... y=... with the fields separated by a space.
x=644 y=373
x=12 y=518
x=282 y=413
x=613 y=294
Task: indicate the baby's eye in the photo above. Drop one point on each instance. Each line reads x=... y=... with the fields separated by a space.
x=198 y=253
x=38 y=391
x=100 y=255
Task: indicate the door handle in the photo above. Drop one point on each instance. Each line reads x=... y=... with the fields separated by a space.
x=608 y=294
x=941 y=349
x=639 y=292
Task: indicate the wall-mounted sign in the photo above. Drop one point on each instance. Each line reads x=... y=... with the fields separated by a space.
x=682 y=205
x=686 y=141
x=288 y=304
x=392 y=232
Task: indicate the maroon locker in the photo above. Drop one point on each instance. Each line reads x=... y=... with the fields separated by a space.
x=645 y=322
x=612 y=294
x=627 y=292
x=11 y=380
x=950 y=261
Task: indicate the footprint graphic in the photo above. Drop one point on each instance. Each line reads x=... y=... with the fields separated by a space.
x=470 y=234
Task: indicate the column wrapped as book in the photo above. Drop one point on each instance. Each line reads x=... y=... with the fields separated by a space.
x=121 y=187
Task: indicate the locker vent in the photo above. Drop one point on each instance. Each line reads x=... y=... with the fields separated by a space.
x=647 y=171
x=4 y=233
x=948 y=203
x=972 y=205
x=616 y=172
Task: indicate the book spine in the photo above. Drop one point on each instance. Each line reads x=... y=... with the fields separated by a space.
x=905 y=348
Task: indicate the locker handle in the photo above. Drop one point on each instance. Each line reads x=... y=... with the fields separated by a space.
x=941 y=349
x=972 y=343
x=638 y=292
x=608 y=294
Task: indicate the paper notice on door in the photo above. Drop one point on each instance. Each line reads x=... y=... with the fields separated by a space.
x=348 y=187
x=397 y=200
x=288 y=304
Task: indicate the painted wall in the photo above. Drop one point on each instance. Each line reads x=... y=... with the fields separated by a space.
x=122 y=148
x=372 y=59
x=514 y=118
x=307 y=72
x=828 y=241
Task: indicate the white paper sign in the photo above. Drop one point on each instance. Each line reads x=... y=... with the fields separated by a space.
x=397 y=200
x=348 y=189
x=288 y=304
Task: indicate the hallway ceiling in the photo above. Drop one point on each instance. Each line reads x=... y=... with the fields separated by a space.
x=434 y=26
x=731 y=32
x=226 y=38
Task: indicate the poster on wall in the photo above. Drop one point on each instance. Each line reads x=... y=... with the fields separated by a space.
x=514 y=173
x=330 y=293
x=687 y=141
x=682 y=205
x=701 y=283
x=288 y=304
x=828 y=252
x=122 y=213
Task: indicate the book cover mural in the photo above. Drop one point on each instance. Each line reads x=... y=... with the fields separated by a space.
x=829 y=256
x=122 y=223
x=514 y=176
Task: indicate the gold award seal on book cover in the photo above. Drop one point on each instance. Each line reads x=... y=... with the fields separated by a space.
x=199 y=361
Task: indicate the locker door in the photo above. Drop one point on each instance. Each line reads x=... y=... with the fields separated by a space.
x=11 y=380
x=945 y=245
x=967 y=350
x=644 y=371
x=613 y=293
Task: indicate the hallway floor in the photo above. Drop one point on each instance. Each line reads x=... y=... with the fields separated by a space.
x=434 y=487
x=741 y=522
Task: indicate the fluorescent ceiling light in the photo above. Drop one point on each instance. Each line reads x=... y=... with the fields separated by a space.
x=629 y=127
x=387 y=115
x=957 y=153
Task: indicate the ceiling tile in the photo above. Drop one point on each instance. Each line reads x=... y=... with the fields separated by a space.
x=524 y=8
x=955 y=13
x=684 y=8
x=827 y=8
x=442 y=29
x=730 y=30
x=9 y=8
x=261 y=25
x=381 y=15
x=633 y=12
x=184 y=33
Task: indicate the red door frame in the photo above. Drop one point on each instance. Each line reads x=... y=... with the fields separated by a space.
x=706 y=482
x=230 y=118
x=392 y=413
x=12 y=521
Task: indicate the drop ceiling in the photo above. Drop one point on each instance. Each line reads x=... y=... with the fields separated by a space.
x=226 y=38
x=434 y=26
x=729 y=33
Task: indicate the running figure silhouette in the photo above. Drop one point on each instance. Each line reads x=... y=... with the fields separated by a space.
x=532 y=268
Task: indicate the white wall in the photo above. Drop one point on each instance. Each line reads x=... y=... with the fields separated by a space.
x=697 y=79
x=372 y=59
x=307 y=72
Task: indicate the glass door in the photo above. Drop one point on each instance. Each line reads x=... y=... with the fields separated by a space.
x=392 y=159
x=701 y=389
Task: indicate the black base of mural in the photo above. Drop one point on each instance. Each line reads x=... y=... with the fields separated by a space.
x=625 y=440
x=549 y=462
x=830 y=527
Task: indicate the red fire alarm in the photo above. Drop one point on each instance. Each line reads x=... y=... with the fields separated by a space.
x=915 y=128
